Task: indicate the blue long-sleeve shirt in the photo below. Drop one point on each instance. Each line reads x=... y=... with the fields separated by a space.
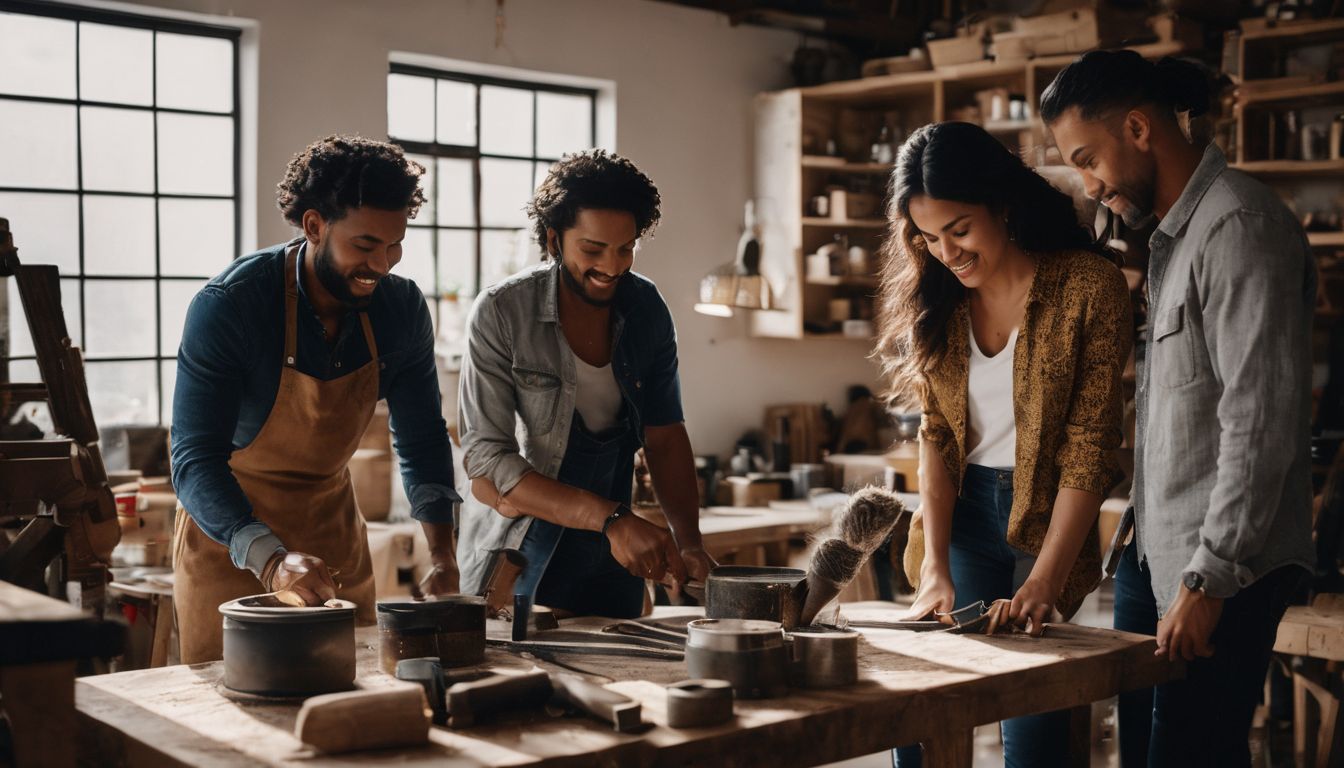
x=228 y=373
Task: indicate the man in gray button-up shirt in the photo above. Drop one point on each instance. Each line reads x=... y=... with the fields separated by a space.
x=1222 y=487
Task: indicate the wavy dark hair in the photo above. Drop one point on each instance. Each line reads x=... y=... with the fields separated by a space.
x=335 y=174
x=961 y=162
x=593 y=179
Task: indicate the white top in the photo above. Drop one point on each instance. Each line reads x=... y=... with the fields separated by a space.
x=598 y=399
x=991 y=435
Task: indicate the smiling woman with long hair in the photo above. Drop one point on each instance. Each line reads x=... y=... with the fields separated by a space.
x=1010 y=329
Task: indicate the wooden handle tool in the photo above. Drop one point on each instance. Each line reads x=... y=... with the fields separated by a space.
x=355 y=720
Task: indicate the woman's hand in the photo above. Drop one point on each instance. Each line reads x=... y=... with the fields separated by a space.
x=1033 y=605
x=936 y=594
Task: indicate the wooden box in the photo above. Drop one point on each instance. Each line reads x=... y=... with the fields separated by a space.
x=962 y=49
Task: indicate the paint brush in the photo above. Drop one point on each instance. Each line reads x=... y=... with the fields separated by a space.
x=860 y=527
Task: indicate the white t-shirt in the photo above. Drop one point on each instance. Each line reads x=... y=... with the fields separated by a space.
x=991 y=435
x=598 y=397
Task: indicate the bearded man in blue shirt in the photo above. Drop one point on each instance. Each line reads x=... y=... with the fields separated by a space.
x=284 y=356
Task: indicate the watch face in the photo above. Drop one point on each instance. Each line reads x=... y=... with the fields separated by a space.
x=1193 y=581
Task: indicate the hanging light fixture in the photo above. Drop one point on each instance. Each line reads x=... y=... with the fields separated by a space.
x=738 y=284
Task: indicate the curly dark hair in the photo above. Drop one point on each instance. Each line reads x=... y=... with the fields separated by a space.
x=594 y=179
x=337 y=173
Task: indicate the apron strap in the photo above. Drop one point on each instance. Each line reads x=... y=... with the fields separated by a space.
x=291 y=305
x=368 y=335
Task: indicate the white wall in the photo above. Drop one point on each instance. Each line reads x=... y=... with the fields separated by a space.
x=684 y=81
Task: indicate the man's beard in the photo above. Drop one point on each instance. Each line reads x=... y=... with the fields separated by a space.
x=577 y=288
x=336 y=284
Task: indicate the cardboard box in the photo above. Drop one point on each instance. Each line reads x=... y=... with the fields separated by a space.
x=962 y=49
x=1048 y=35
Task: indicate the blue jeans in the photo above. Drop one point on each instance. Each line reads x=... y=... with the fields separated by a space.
x=1205 y=719
x=984 y=567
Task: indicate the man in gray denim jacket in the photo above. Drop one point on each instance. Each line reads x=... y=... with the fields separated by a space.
x=1222 y=486
x=571 y=367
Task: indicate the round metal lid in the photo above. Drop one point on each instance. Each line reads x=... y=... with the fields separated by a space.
x=267 y=608
x=734 y=634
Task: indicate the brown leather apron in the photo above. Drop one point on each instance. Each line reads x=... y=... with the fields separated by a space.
x=296 y=477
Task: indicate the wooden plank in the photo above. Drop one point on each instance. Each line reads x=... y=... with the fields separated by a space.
x=914 y=686
x=1296 y=29
x=1292 y=167
x=1306 y=92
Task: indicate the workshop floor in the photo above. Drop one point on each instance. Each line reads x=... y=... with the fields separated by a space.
x=1095 y=612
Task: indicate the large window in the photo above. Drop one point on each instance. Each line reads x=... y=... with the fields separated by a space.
x=118 y=163
x=486 y=143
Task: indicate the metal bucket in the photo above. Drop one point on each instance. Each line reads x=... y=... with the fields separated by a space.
x=451 y=628
x=756 y=592
x=271 y=649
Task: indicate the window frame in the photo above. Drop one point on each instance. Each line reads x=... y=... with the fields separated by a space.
x=473 y=153
x=153 y=24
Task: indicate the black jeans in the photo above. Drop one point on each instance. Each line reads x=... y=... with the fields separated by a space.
x=1205 y=719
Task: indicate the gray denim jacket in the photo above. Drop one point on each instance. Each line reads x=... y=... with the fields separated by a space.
x=518 y=386
x=1222 y=467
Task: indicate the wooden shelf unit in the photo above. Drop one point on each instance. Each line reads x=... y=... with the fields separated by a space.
x=791 y=131
x=1326 y=239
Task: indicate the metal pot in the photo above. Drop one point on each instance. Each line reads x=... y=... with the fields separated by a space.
x=451 y=628
x=272 y=649
x=821 y=657
x=748 y=654
x=756 y=592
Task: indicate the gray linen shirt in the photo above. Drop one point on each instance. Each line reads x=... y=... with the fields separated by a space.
x=1222 y=468
x=518 y=387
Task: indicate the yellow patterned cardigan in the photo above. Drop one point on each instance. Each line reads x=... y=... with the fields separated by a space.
x=1071 y=350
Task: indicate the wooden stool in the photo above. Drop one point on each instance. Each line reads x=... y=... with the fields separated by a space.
x=1316 y=633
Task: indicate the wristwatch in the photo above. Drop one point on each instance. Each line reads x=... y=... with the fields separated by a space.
x=620 y=511
x=1193 y=581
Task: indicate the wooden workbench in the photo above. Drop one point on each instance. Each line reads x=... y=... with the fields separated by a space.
x=929 y=687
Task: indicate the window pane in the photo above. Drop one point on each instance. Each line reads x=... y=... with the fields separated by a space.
x=118 y=235
x=24 y=372
x=45 y=228
x=417 y=258
x=176 y=295
x=116 y=64
x=457 y=204
x=21 y=340
x=195 y=155
x=457 y=113
x=410 y=107
x=564 y=123
x=426 y=214
x=37 y=56
x=169 y=368
x=502 y=254
x=539 y=173
x=123 y=393
x=195 y=236
x=71 y=308
x=506 y=186
x=118 y=149
x=195 y=72
x=457 y=262
x=506 y=121
x=37 y=145
x=125 y=309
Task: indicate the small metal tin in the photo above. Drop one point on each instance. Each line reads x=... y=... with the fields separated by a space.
x=699 y=703
x=822 y=657
x=748 y=654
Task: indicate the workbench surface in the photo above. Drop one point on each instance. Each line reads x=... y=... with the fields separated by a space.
x=914 y=687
